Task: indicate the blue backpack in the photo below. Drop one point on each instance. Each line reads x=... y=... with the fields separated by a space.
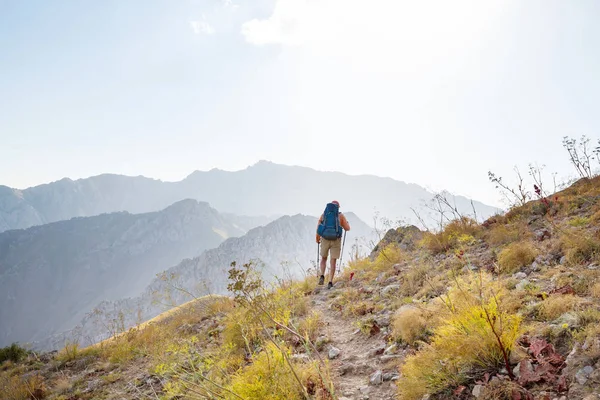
x=330 y=228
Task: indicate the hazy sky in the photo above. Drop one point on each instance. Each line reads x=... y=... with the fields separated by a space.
x=430 y=92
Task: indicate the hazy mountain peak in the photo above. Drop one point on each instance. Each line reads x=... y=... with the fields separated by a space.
x=265 y=188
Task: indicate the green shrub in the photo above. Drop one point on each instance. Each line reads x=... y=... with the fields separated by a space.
x=14 y=353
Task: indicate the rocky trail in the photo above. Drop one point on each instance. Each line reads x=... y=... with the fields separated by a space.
x=363 y=366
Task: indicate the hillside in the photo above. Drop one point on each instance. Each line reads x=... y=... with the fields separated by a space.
x=264 y=189
x=52 y=275
x=285 y=249
x=508 y=309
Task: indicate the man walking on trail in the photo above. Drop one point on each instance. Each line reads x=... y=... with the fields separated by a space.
x=329 y=235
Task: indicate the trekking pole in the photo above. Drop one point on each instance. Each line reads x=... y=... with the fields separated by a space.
x=342 y=253
x=317 y=264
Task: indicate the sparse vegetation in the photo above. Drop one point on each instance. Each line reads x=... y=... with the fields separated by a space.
x=14 y=353
x=476 y=333
x=457 y=232
x=467 y=305
x=556 y=305
x=410 y=325
x=516 y=256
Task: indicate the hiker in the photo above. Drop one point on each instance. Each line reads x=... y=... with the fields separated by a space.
x=329 y=235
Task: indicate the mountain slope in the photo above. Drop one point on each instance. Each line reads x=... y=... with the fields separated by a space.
x=51 y=275
x=262 y=189
x=284 y=248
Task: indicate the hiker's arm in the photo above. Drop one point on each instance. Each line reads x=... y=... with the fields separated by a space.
x=319 y=223
x=344 y=223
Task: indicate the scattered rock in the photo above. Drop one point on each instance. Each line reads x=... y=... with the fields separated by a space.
x=535 y=266
x=300 y=356
x=390 y=289
x=520 y=275
x=571 y=358
x=542 y=234
x=334 y=352
x=383 y=321
x=563 y=260
x=583 y=374
x=390 y=280
x=521 y=285
x=391 y=349
x=391 y=376
x=376 y=378
x=377 y=351
x=570 y=319
x=477 y=391
x=93 y=385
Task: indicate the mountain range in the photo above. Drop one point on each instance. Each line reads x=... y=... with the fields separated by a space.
x=264 y=190
x=51 y=275
x=283 y=249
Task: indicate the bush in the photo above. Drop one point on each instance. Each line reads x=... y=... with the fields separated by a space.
x=475 y=334
x=595 y=290
x=270 y=377
x=580 y=249
x=500 y=235
x=556 y=305
x=516 y=256
x=310 y=325
x=579 y=221
x=459 y=231
x=13 y=387
x=14 y=353
x=409 y=325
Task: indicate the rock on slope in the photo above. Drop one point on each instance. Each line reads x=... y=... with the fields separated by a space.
x=51 y=275
x=262 y=189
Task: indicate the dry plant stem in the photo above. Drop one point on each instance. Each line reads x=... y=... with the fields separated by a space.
x=492 y=325
x=420 y=219
x=474 y=211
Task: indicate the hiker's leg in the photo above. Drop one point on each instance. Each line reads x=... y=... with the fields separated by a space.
x=325 y=245
x=335 y=254
x=332 y=269
x=323 y=265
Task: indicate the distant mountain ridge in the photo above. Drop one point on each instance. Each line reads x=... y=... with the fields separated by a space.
x=285 y=248
x=51 y=275
x=264 y=189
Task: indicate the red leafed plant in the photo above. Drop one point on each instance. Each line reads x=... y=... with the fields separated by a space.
x=545 y=366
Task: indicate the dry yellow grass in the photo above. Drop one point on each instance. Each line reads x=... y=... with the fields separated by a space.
x=516 y=256
x=595 y=290
x=409 y=325
x=556 y=305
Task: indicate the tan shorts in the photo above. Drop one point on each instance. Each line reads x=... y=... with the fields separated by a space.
x=334 y=247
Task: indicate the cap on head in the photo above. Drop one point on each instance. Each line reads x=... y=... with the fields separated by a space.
x=337 y=203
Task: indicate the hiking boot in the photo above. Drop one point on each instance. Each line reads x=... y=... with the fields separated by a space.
x=329 y=285
x=321 y=280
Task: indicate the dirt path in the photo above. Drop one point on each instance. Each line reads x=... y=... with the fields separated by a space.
x=360 y=357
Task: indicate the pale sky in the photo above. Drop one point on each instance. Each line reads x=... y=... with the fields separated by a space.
x=430 y=92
